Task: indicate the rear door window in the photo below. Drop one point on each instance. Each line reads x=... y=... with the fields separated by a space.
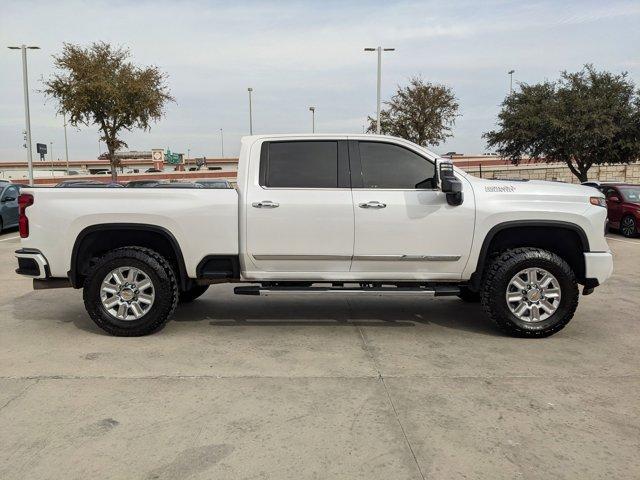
x=299 y=164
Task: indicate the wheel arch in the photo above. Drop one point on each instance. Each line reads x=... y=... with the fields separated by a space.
x=535 y=233
x=100 y=238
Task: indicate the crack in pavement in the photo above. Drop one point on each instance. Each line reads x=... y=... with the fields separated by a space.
x=388 y=393
x=20 y=394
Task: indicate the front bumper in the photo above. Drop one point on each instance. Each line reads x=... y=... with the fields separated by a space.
x=32 y=263
x=598 y=266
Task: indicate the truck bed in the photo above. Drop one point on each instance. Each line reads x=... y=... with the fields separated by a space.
x=202 y=221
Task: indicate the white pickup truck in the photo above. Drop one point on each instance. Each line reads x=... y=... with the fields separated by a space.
x=323 y=215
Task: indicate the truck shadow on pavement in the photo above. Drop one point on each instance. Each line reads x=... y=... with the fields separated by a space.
x=64 y=307
x=383 y=313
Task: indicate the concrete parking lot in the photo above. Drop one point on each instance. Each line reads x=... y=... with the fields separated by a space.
x=343 y=388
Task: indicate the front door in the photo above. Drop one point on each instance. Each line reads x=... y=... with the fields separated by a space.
x=300 y=211
x=404 y=227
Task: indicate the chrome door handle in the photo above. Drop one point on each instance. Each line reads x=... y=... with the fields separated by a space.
x=265 y=204
x=373 y=204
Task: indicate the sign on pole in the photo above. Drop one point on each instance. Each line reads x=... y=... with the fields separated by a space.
x=41 y=148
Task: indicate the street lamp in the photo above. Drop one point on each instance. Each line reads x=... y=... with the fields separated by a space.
x=250 y=112
x=27 y=116
x=379 y=50
x=511 y=72
x=313 y=119
x=66 y=146
x=222 y=143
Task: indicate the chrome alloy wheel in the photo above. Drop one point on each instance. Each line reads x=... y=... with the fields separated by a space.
x=127 y=293
x=533 y=295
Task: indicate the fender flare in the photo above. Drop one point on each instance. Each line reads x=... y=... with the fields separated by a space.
x=73 y=267
x=484 y=250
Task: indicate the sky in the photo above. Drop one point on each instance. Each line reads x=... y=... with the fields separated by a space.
x=295 y=54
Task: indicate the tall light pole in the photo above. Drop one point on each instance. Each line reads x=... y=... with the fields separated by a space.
x=313 y=119
x=222 y=143
x=27 y=116
x=51 y=153
x=511 y=72
x=379 y=50
x=250 y=112
x=66 y=146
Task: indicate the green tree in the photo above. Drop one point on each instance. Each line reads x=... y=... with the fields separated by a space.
x=99 y=86
x=585 y=118
x=422 y=112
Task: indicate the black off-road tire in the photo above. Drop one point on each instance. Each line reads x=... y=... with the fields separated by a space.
x=496 y=280
x=194 y=292
x=631 y=230
x=468 y=295
x=159 y=271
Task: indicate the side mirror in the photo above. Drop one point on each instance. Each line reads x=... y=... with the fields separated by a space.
x=8 y=199
x=614 y=199
x=450 y=184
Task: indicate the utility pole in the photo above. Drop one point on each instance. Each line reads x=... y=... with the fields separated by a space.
x=250 y=112
x=66 y=145
x=511 y=72
x=51 y=153
x=222 y=143
x=27 y=116
x=379 y=50
x=313 y=119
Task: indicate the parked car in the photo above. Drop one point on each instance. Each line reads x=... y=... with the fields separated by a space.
x=365 y=215
x=211 y=183
x=87 y=184
x=152 y=170
x=8 y=205
x=178 y=185
x=623 y=206
x=143 y=183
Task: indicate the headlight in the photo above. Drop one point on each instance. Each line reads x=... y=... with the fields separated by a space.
x=598 y=201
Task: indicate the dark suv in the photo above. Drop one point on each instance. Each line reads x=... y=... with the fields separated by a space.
x=623 y=204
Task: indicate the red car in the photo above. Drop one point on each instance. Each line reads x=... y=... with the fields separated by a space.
x=623 y=204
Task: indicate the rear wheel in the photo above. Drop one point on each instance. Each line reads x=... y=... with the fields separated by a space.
x=628 y=226
x=530 y=292
x=194 y=292
x=131 y=291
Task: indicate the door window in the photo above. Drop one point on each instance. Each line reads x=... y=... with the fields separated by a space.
x=10 y=192
x=385 y=165
x=302 y=164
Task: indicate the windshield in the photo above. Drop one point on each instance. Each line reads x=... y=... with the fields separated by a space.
x=630 y=194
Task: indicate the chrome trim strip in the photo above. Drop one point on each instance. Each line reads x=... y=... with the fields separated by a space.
x=302 y=257
x=366 y=258
x=410 y=258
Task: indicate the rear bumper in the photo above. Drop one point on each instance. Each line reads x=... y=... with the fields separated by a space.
x=32 y=263
x=598 y=266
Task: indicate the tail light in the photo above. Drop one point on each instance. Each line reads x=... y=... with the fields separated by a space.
x=24 y=200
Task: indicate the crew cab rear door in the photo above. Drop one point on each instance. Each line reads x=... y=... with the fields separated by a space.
x=299 y=210
x=404 y=227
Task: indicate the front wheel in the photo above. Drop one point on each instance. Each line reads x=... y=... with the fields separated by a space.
x=530 y=292
x=628 y=226
x=131 y=291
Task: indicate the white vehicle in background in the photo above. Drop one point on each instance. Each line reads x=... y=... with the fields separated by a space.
x=323 y=215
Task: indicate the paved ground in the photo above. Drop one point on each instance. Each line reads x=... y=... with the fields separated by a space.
x=255 y=388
